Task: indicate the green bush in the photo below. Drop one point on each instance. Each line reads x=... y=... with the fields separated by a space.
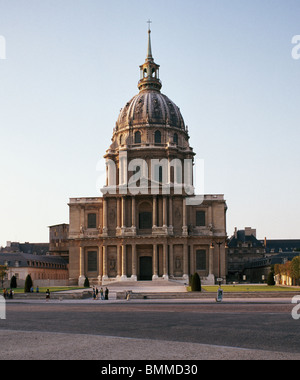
x=271 y=281
x=196 y=283
x=28 y=284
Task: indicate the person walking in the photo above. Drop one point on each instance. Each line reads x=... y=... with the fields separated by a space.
x=101 y=294
x=47 y=295
x=106 y=293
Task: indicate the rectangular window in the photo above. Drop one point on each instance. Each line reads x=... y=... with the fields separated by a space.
x=92 y=261
x=200 y=219
x=145 y=220
x=92 y=221
x=201 y=259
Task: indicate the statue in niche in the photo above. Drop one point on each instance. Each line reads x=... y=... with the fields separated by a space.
x=177 y=213
x=178 y=263
x=112 y=215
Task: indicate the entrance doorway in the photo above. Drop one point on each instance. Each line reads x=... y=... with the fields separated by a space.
x=146 y=268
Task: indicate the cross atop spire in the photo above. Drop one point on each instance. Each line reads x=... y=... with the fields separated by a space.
x=149 y=22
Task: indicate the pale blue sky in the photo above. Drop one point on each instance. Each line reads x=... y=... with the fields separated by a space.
x=72 y=65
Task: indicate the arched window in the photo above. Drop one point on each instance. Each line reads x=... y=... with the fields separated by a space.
x=137 y=137
x=175 y=138
x=157 y=137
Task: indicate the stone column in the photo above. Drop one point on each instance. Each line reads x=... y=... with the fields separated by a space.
x=123 y=213
x=104 y=217
x=100 y=265
x=165 y=262
x=134 y=262
x=82 y=221
x=165 y=212
x=171 y=215
x=133 y=211
x=154 y=211
x=124 y=263
x=118 y=216
x=105 y=273
x=155 y=266
x=133 y=217
x=119 y=262
x=171 y=262
x=184 y=223
x=81 y=267
x=185 y=262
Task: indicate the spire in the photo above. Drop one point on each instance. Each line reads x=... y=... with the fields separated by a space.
x=149 y=53
x=149 y=70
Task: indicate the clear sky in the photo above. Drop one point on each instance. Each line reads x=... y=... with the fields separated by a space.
x=71 y=66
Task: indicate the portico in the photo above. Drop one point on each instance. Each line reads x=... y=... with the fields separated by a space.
x=146 y=260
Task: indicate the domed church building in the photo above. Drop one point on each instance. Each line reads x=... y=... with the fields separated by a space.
x=149 y=225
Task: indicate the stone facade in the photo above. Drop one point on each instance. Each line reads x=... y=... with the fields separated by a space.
x=149 y=224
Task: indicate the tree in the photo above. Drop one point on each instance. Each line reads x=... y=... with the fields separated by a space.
x=86 y=283
x=295 y=269
x=13 y=282
x=3 y=270
x=28 y=284
x=196 y=283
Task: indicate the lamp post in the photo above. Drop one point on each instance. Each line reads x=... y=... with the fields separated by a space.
x=219 y=243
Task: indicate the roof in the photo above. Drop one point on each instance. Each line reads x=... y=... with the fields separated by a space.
x=282 y=245
x=24 y=259
x=32 y=248
x=244 y=239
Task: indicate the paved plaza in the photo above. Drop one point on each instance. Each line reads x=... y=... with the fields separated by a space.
x=150 y=329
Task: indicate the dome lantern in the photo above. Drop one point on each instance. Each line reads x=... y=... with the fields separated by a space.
x=149 y=79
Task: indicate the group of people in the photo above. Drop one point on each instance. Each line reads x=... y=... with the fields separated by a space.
x=37 y=290
x=103 y=294
x=8 y=294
